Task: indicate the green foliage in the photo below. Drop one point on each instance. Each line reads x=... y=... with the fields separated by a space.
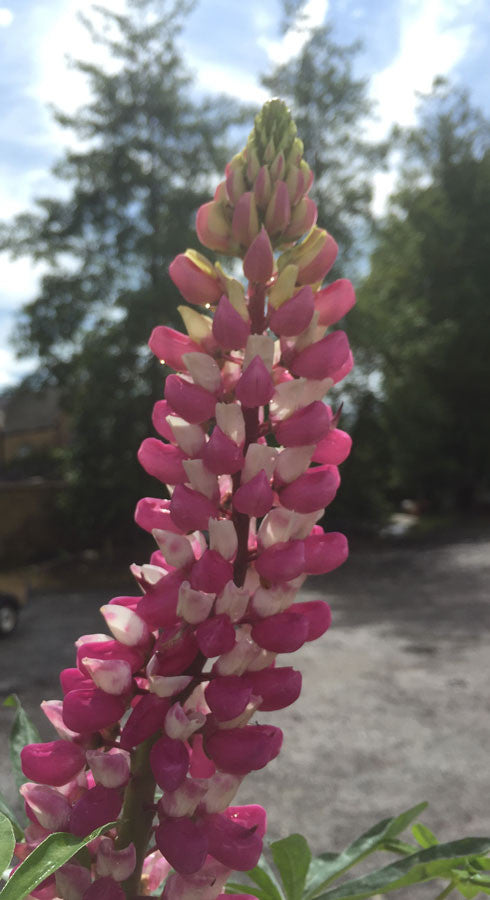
x=7 y=842
x=5 y=810
x=56 y=850
x=145 y=155
x=22 y=732
x=423 y=316
x=292 y=857
x=302 y=877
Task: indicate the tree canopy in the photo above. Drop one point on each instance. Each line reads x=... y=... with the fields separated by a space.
x=424 y=317
x=145 y=148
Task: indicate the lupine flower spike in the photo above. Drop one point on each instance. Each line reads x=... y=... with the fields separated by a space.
x=161 y=717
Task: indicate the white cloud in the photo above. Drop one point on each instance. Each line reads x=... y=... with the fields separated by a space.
x=430 y=45
x=293 y=41
x=12 y=369
x=19 y=279
x=61 y=37
x=6 y=17
x=214 y=77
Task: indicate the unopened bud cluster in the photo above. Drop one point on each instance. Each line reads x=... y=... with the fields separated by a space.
x=249 y=451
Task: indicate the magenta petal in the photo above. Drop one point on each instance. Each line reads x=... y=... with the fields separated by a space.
x=201 y=766
x=195 y=285
x=282 y=633
x=256 y=497
x=221 y=455
x=215 y=636
x=54 y=763
x=313 y=490
x=243 y=750
x=96 y=807
x=183 y=843
x=176 y=651
x=250 y=816
x=294 y=315
x=229 y=329
x=334 y=448
x=324 y=358
x=306 y=426
x=169 y=346
x=316 y=614
x=91 y=710
x=191 y=510
x=211 y=572
x=73 y=680
x=279 y=687
x=146 y=718
x=162 y=461
x=169 y=761
x=158 y=606
x=104 y=889
x=227 y=697
x=325 y=552
x=258 y=264
x=190 y=401
x=159 y=415
x=233 y=844
x=334 y=301
x=151 y=512
x=255 y=387
x=109 y=650
x=282 y=561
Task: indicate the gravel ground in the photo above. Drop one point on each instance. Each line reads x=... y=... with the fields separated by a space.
x=394 y=707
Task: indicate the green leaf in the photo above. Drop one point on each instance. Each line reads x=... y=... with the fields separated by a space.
x=7 y=811
x=7 y=843
x=236 y=887
x=435 y=862
x=397 y=846
x=424 y=836
x=265 y=878
x=327 y=869
x=22 y=732
x=292 y=857
x=46 y=859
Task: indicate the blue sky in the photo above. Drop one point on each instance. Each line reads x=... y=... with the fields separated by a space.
x=228 y=44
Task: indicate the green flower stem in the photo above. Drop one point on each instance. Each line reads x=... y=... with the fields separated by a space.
x=137 y=814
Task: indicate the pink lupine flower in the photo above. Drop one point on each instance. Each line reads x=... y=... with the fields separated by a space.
x=249 y=452
x=55 y=762
x=195 y=277
x=258 y=264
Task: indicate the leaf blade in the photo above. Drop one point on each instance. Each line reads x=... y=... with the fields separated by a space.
x=23 y=732
x=434 y=862
x=7 y=842
x=292 y=857
x=46 y=859
x=372 y=839
x=9 y=813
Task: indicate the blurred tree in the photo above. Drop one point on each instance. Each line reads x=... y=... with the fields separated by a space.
x=133 y=180
x=330 y=107
x=423 y=319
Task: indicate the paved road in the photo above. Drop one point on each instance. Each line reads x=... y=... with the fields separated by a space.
x=395 y=698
